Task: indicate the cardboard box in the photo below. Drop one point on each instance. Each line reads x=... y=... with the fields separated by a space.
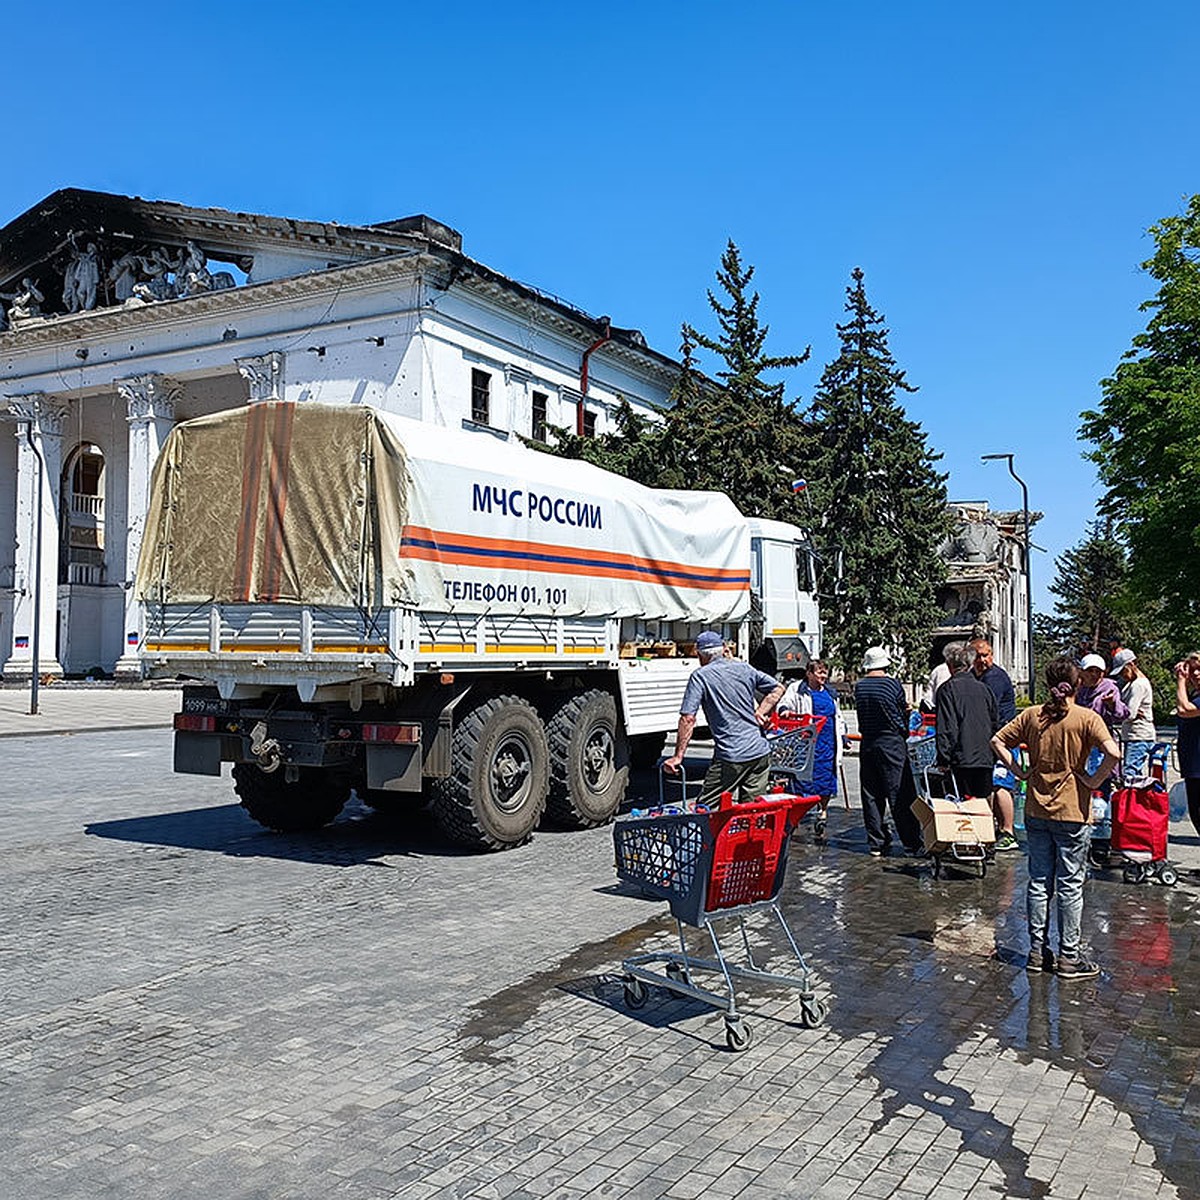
x=947 y=822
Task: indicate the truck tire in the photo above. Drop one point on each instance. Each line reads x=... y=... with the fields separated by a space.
x=589 y=761
x=312 y=801
x=645 y=749
x=495 y=793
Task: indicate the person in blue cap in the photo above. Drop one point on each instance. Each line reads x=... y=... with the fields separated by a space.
x=738 y=700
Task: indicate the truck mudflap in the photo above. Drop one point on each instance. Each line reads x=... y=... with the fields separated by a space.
x=197 y=754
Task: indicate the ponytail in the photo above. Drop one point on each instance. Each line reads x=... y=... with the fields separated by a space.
x=1062 y=678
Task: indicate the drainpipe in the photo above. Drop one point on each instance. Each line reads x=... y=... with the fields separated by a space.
x=606 y=336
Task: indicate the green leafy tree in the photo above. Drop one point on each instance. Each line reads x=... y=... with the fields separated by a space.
x=1146 y=433
x=881 y=498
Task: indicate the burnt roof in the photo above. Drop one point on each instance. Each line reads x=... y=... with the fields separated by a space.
x=42 y=231
x=30 y=242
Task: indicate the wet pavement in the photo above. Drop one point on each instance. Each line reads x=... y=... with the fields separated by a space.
x=192 y=1006
x=939 y=965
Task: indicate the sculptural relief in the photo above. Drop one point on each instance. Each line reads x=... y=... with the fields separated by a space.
x=156 y=266
x=140 y=275
x=27 y=301
x=81 y=280
x=124 y=275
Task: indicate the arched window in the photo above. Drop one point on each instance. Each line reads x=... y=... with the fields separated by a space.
x=82 y=516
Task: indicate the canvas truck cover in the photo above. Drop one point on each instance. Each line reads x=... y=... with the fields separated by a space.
x=349 y=506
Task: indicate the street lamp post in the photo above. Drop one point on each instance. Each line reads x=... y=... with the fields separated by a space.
x=1008 y=458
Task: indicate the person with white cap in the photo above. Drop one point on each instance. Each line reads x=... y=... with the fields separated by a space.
x=1099 y=694
x=1103 y=697
x=883 y=756
x=737 y=700
x=1137 y=729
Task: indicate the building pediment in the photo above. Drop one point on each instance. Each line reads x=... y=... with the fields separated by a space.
x=77 y=251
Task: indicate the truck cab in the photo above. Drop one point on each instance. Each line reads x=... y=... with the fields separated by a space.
x=783 y=575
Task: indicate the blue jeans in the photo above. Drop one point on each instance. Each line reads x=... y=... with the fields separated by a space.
x=1057 y=869
x=1137 y=755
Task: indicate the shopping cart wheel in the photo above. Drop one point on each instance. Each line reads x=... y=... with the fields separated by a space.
x=937 y=866
x=1167 y=875
x=1133 y=873
x=983 y=868
x=636 y=993
x=737 y=1034
x=676 y=972
x=812 y=1012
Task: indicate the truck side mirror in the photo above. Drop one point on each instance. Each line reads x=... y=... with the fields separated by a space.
x=839 y=574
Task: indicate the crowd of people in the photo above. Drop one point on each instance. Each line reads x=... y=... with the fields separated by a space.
x=1097 y=722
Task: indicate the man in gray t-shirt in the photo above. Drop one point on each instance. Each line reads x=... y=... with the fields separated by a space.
x=729 y=691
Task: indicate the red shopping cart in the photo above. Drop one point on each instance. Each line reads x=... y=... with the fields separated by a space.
x=1140 y=816
x=709 y=865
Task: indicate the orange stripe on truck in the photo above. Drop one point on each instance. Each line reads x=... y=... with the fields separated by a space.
x=434 y=545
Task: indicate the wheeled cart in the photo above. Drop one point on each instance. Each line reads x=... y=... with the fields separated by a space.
x=961 y=829
x=1140 y=816
x=730 y=862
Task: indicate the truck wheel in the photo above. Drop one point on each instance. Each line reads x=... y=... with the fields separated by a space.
x=589 y=761
x=495 y=793
x=645 y=749
x=312 y=801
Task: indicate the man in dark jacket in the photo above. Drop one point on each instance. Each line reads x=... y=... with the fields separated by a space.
x=997 y=678
x=885 y=778
x=966 y=720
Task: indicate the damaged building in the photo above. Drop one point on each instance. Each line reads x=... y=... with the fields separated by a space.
x=120 y=317
x=985 y=590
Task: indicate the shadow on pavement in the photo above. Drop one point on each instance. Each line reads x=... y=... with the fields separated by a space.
x=359 y=836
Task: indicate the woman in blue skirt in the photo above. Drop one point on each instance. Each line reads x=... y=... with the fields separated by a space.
x=814 y=696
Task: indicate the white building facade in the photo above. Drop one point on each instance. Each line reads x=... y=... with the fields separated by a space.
x=122 y=317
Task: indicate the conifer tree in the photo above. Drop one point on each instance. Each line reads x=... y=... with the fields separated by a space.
x=740 y=437
x=1090 y=585
x=881 y=499
x=744 y=439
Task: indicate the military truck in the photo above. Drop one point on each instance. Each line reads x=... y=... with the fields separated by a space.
x=360 y=601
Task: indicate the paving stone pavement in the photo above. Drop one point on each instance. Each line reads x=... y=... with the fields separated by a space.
x=192 y=1006
x=67 y=708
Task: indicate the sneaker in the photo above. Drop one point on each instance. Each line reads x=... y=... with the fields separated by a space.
x=875 y=853
x=1077 y=968
x=1040 y=961
x=1006 y=844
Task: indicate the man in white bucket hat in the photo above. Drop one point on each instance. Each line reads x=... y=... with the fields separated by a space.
x=883 y=756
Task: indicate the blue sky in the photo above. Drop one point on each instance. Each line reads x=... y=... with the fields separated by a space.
x=993 y=170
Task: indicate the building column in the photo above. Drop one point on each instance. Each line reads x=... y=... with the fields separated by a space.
x=264 y=374
x=150 y=411
x=40 y=418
